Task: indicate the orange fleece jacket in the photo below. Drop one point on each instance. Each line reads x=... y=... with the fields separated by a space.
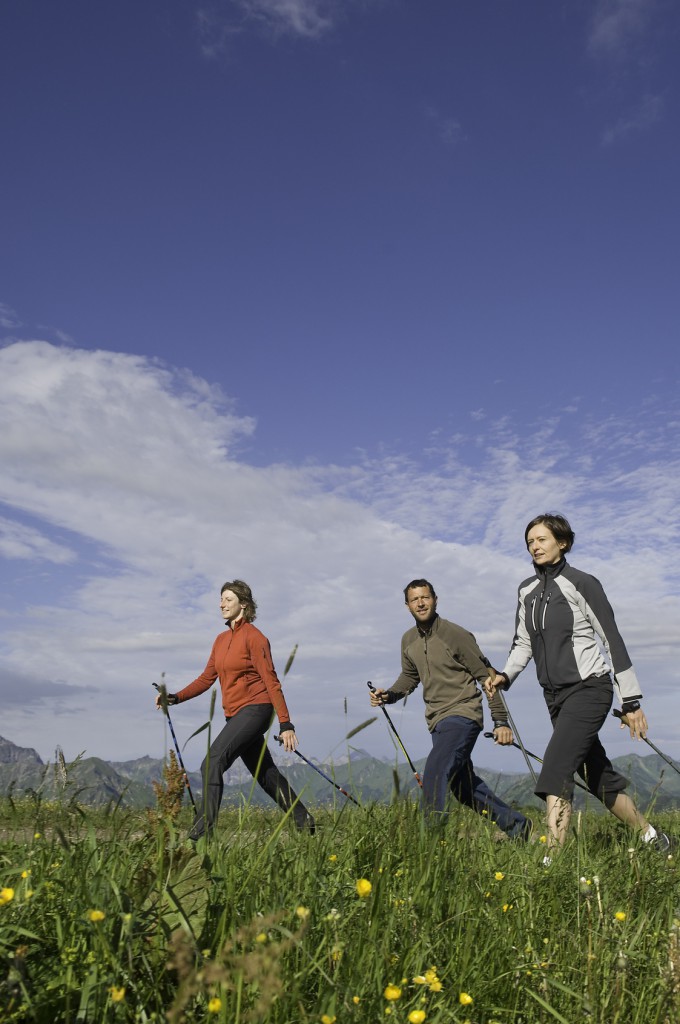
x=242 y=661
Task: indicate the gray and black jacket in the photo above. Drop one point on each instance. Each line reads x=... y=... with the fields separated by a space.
x=561 y=612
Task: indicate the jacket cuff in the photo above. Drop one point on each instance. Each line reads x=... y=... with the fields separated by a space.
x=286 y=727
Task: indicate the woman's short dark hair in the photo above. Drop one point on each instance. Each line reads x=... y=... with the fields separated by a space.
x=245 y=596
x=415 y=584
x=558 y=526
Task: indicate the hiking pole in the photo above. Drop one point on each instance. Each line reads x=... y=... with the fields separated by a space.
x=490 y=736
x=371 y=687
x=519 y=738
x=322 y=774
x=619 y=714
x=164 y=704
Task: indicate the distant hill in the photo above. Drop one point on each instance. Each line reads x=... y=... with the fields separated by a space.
x=90 y=780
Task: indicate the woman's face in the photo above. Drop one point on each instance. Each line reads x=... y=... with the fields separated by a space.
x=543 y=547
x=232 y=609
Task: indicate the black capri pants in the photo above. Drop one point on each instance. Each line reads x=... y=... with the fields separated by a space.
x=577 y=714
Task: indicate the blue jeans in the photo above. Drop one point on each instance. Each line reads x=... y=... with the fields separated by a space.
x=449 y=767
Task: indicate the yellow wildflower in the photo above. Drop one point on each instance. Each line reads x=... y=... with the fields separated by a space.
x=417 y=1016
x=392 y=993
x=499 y=876
x=364 y=887
x=507 y=907
x=464 y=999
x=543 y=839
x=25 y=874
x=96 y=915
x=36 y=835
x=325 y=1019
x=214 y=1005
x=436 y=985
x=620 y=915
x=419 y=979
x=356 y=1000
x=261 y=937
x=6 y=896
x=333 y=857
x=117 y=993
x=302 y=913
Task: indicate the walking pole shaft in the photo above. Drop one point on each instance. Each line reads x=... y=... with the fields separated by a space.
x=519 y=738
x=322 y=774
x=371 y=687
x=164 y=705
x=619 y=714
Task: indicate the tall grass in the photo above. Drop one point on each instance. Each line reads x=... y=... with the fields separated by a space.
x=116 y=917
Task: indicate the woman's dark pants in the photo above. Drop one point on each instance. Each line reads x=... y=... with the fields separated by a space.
x=243 y=736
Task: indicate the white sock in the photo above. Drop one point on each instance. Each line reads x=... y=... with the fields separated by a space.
x=649 y=835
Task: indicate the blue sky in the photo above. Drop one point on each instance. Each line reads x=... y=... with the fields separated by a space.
x=328 y=296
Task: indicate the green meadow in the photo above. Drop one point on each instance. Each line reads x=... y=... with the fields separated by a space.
x=114 y=916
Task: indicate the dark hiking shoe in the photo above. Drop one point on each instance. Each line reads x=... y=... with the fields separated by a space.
x=522 y=830
x=664 y=844
x=304 y=822
x=198 y=829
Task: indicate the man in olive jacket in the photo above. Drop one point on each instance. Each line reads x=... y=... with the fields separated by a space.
x=445 y=658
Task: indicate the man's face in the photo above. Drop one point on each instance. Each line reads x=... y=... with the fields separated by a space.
x=421 y=604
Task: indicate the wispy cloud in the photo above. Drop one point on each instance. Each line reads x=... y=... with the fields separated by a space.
x=8 y=318
x=144 y=466
x=19 y=541
x=617 y=24
x=641 y=118
x=308 y=19
x=448 y=129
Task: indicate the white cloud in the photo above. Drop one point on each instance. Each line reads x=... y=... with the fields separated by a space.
x=8 y=318
x=142 y=465
x=19 y=541
x=617 y=24
x=644 y=114
x=449 y=129
x=309 y=18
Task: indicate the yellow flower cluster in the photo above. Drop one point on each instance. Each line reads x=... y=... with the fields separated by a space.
x=95 y=916
x=430 y=979
x=364 y=888
x=6 y=896
x=392 y=993
x=464 y=999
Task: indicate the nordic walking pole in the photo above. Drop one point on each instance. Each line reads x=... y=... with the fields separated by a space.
x=322 y=774
x=371 y=687
x=490 y=736
x=164 y=704
x=620 y=715
x=519 y=738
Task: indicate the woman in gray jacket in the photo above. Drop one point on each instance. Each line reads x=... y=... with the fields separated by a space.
x=561 y=614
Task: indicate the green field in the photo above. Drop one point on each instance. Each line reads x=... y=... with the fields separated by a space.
x=116 y=917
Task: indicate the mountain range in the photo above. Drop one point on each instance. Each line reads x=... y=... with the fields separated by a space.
x=90 y=780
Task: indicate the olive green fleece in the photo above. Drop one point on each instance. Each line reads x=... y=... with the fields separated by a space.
x=445 y=658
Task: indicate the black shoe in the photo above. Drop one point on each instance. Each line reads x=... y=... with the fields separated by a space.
x=522 y=830
x=664 y=844
x=304 y=822
x=198 y=829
